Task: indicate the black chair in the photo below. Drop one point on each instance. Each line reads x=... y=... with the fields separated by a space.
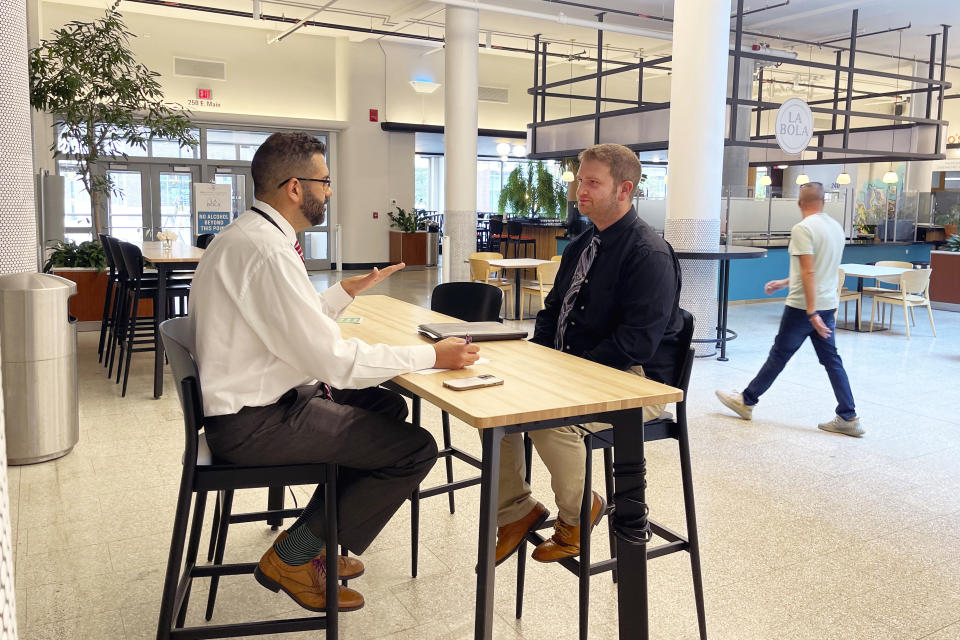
x=136 y=333
x=470 y=302
x=107 y=319
x=517 y=239
x=660 y=429
x=204 y=240
x=496 y=236
x=201 y=477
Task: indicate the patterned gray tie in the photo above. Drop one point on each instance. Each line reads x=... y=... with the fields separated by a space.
x=579 y=276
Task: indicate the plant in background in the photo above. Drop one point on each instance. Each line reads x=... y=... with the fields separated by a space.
x=532 y=192
x=70 y=254
x=948 y=217
x=407 y=222
x=102 y=99
x=953 y=243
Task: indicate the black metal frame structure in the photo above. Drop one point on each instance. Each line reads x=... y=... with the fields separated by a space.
x=930 y=85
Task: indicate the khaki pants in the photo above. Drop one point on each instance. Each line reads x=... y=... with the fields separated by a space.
x=564 y=455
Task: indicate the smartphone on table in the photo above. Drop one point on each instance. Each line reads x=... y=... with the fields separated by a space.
x=476 y=382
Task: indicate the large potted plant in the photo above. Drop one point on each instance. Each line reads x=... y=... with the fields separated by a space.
x=102 y=99
x=408 y=243
x=531 y=191
x=948 y=220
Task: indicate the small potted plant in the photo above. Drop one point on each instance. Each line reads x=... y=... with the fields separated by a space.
x=84 y=264
x=167 y=238
x=949 y=220
x=408 y=244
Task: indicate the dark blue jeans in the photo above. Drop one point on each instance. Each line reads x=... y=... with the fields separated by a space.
x=794 y=329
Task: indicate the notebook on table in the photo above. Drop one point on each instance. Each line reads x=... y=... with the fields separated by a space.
x=478 y=331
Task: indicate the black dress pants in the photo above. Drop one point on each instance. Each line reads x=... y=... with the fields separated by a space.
x=382 y=457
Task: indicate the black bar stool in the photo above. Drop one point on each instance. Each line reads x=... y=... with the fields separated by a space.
x=660 y=429
x=199 y=479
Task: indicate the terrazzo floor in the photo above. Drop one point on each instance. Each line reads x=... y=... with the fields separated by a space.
x=804 y=534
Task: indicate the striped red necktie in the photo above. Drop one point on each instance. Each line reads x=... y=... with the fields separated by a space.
x=296 y=245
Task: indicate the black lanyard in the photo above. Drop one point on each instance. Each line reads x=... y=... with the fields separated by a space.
x=268 y=219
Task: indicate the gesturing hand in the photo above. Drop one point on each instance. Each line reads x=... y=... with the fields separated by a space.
x=359 y=284
x=775 y=285
x=455 y=353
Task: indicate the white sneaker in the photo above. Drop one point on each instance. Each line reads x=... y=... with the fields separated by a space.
x=734 y=402
x=845 y=427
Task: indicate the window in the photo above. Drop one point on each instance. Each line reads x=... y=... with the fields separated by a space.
x=225 y=144
x=155 y=148
x=76 y=201
x=656 y=185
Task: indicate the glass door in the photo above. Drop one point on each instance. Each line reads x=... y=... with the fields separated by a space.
x=172 y=203
x=128 y=209
x=149 y=198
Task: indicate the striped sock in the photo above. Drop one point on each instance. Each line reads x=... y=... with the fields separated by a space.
x=299 y=547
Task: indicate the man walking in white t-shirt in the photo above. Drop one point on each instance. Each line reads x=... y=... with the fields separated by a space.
x=816 y=247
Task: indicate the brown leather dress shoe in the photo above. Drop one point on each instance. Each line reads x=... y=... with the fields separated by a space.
x=306 y=583
x=348 y=567
x=565 y=542
x=509 y=536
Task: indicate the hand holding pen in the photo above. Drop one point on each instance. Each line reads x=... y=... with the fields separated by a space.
x=455 y=353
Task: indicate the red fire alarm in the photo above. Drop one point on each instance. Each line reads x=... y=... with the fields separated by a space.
x=376 y=214
x=374 y=115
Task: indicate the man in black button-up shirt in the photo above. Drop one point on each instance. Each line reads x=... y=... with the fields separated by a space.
x=615 y=301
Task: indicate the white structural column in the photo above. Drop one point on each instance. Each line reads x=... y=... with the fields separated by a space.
x=919 y=175
x=18 y=237
x=460 y=139
x=701 y=41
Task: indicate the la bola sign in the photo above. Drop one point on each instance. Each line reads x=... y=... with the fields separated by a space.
x=794 y=126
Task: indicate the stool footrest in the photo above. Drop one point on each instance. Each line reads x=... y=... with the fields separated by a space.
x=234 y=569
x=250 y=628
x=257 y=516
x=441 y=489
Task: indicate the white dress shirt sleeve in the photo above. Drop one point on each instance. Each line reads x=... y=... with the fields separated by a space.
x=285 y=312
x=334 y=300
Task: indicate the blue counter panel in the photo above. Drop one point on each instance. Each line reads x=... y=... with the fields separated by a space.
x=747 y=277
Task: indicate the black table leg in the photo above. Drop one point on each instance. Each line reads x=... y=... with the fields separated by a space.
x=489 y=492
x=275 y=503
x=631 y=525
x=159 y=315
x=724 y=305
x=517 y=297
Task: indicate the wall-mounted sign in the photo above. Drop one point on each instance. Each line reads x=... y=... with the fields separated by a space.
x=794 y=126
x=204 y=94
x=212 y=209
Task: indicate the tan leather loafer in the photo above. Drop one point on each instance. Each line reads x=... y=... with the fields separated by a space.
x=306 y=584
x=509 y=536
x=348 y=567
x=565 y=542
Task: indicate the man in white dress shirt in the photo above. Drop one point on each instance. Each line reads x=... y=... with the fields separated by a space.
x=281 y=385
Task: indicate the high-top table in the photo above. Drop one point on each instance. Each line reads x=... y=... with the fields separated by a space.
x=179 y=257
x=534 y=396
x=724 y=254
x=518 y=265
x=861 y=271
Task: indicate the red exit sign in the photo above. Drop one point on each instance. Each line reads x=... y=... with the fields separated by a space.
x=205 y=94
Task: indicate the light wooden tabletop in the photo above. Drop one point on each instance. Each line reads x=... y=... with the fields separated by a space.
x=871 y=270
x=539 y=383
x=179 y=252
x=516 y=263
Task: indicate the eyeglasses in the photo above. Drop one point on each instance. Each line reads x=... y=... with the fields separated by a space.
x=325 y=181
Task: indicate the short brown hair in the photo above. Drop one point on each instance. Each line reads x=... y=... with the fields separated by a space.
x=623 y=163
x=283 y=155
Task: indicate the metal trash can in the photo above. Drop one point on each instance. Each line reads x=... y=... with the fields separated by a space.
x=38 y=350
x=433 y=248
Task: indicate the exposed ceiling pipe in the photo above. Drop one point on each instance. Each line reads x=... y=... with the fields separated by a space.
x=560 y=18
x=300 y=23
